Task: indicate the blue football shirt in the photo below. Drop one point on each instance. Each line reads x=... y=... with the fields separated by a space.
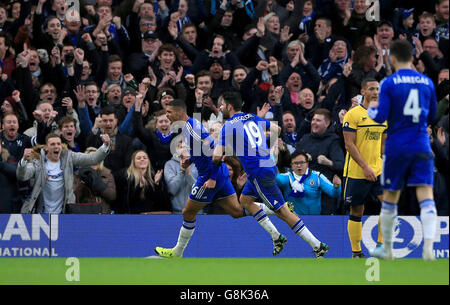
x=201 y=147
x=407 y=100
x=244 y=135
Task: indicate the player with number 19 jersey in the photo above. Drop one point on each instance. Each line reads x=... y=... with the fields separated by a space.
x=407 y=100
x=244 y=133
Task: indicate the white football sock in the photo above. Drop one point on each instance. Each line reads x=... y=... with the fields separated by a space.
x=264 y=207
x=301 y=230
x=428 y=217
x=265 y=222
x=388 y=218
x=186 y=232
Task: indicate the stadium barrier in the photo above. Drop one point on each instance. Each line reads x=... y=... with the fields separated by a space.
x=38 y=235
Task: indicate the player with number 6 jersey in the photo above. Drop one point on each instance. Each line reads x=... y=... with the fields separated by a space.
x=407 y=100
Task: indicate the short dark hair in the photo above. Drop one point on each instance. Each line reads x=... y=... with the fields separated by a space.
x=202 y=73
x=7 y=37
x=430 y=38
x=402 y=50
x=367 y=80
x=325 y=112
x=188 y=25
x=91 y=83
x=426 y=14
x=159 y=113
x=233 y=98
x=327 y=20
x=177 y=103
x=50 y=136
x=297 y=153
x=65 y=120
x=114 y=58
x=8 y=114
x=166 y=48
x=288 y=112
x=108 y=110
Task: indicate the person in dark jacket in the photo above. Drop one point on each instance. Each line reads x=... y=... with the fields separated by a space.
x=53 y=34
x=324 y=152
x=139 y=190
x=318 y=46
x=365 y=65
x=121 y=148
x=157 y=141
x=323 y=146
x=358 y=25
x=296 y=62
x=218 y=51
x=10 y=200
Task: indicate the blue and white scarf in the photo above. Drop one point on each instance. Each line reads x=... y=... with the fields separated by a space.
x=305 y=19
x=298 y=189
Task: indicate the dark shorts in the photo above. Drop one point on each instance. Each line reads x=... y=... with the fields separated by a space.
x=407 y=169
x=356 y=191
x=265 y=187
x=223 y=189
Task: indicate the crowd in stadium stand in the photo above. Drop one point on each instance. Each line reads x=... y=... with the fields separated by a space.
x=110 y=67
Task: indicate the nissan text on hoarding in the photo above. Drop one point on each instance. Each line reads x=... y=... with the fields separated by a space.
x=20 y=231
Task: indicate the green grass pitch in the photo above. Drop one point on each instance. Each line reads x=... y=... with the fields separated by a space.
x=223 y=271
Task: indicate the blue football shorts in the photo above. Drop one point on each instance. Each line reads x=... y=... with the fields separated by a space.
x=223 y=189
x=264 y=186
x=407 y=169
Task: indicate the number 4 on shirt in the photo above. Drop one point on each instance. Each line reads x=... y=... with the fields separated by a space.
x=412 y=105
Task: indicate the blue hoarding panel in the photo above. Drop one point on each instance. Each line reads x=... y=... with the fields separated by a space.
x=215 y=236
x=26 y=235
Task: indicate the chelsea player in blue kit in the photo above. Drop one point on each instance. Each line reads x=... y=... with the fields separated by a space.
x=407 y=100
x=213 y=183
x=243 y=134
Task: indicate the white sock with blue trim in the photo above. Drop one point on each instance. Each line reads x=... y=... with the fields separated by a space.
x=388 y=219
x=265 y=222
x=264 y=207
x=186 y=231
x=428 y=217
x=301 y=230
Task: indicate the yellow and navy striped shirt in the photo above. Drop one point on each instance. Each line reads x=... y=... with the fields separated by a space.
x=368 y=141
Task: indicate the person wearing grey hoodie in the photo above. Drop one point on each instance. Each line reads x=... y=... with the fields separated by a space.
x=179 y=181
